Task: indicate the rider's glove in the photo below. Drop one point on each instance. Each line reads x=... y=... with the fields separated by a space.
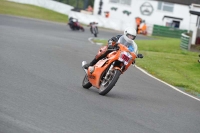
x=114 y=39
x=110 y=44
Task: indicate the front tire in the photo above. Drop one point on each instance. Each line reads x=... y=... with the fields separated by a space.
x=95 y=32
x=108 y=84
x=85 y=83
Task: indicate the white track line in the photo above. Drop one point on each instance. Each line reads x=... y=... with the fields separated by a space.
x=90 y=40
x=167 y=84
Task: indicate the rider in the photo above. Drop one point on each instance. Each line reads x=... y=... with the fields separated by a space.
x=72 y=21
x=126 y=39
x=91 y=24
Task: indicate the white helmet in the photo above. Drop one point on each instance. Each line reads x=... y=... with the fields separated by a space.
x=129 y=34
x=74 y=20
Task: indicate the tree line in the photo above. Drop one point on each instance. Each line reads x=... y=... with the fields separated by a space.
x=80 y=4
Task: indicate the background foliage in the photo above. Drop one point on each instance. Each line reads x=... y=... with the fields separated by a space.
x=81 y=4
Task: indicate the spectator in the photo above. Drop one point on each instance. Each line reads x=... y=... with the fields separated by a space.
x=89 y=9
x=138 y=21
x=107 y=14
x=142 y=29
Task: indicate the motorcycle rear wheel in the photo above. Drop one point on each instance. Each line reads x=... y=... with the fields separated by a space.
x=82 y=29
x=85 y=83
x=108 y=84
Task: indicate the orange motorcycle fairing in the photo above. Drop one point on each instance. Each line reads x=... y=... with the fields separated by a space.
x=111 y=54
x=101 y=51
x=100 y=63
x=99 y=68
x=115 y=62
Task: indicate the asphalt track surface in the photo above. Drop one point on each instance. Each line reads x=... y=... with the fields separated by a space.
x=41 y=92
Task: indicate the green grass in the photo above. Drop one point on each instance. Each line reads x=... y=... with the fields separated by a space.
x=163 y=57
x=166 y=60
x=11 y=8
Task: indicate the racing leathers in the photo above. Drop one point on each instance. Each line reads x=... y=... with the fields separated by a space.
x=103 y=52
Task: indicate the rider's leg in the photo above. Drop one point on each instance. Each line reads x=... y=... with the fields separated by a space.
x=101 y=54
x=94 y=61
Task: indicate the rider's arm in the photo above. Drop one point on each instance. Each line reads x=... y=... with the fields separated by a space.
x=136 y=51
x=113 y=41
x=135 y=48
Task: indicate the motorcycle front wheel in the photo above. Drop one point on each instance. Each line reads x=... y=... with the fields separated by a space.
x=85 y=83
x=95 y=32
x=109 y=83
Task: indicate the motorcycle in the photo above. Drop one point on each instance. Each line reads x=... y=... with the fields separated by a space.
x=106 y=72
x=76 y=26
x=94 y=29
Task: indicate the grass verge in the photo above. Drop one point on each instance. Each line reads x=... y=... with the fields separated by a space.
x=12 y=8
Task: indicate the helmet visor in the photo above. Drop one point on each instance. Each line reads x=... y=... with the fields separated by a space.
x=132 y=37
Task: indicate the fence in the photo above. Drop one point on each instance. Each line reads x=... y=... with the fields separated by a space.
x=167 y=31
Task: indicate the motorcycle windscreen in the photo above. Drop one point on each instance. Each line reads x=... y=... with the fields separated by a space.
x=124 y=42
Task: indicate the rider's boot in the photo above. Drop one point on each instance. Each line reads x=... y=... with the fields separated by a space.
x=92 y=63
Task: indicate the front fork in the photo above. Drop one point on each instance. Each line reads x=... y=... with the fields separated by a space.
x=111 y=67
x=108 y=72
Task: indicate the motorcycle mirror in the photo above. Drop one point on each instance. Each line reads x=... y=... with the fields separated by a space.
x=139 y=56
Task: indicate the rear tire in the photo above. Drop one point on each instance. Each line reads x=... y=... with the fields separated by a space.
x=106 y=86
x=85 y=83
x=71 y=27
